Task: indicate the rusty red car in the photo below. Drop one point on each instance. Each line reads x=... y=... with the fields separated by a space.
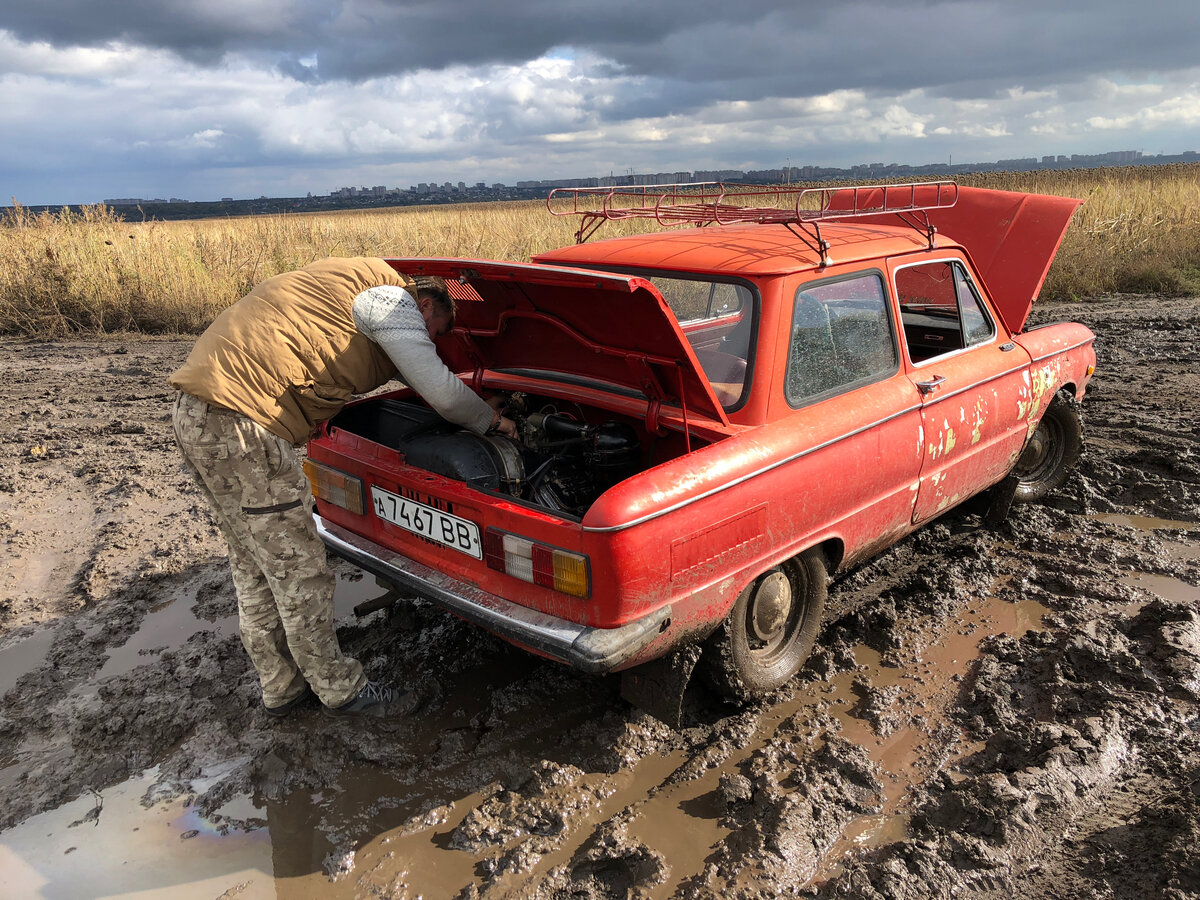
x=713 y=420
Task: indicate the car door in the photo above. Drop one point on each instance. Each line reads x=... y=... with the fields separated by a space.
x=971 y=377
x=855 y=411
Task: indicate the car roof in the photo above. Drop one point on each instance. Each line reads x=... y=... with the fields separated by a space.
x=744 y=249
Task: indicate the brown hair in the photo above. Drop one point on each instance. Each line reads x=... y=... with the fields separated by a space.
x=434 y=288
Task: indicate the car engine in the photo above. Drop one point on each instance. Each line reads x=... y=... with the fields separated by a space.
x=561 y=462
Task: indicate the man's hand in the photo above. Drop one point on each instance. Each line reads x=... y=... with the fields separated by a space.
x=502 y=425
x=507 y=427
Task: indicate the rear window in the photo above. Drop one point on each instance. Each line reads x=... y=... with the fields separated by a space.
x=841 y=338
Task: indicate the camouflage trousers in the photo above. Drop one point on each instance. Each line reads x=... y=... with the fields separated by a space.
x=260 y=497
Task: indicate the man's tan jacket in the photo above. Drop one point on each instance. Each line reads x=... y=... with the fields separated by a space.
x=288 y=354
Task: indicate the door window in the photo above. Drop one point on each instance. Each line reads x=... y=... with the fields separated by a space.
x=941 y=309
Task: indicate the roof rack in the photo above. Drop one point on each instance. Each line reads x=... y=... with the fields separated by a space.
x=801 y=210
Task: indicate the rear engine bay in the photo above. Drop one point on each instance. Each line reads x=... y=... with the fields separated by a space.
x=567 y=456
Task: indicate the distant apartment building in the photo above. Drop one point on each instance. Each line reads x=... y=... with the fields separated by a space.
x=717 y=175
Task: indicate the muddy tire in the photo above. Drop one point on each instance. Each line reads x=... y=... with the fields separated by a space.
x=769 y=631
x=1052 y=450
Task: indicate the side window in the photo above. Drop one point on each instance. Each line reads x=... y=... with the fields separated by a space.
x=977 y=327
x=940 y=309
x=841 y=337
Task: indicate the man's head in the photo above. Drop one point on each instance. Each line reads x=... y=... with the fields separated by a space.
x=435 y=304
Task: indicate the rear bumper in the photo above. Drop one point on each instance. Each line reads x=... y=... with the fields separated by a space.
x=591 y=650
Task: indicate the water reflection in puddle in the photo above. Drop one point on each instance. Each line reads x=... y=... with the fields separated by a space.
x=165 y=626
x=110 y=845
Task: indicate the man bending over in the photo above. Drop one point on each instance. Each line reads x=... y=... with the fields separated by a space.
x=269 y=369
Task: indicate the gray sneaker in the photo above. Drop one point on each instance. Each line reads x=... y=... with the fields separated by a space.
x=375 y=700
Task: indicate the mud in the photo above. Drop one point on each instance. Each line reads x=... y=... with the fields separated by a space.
x=991 y=711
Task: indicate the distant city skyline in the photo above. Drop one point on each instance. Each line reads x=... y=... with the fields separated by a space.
x=107 y=98
x=871 y=170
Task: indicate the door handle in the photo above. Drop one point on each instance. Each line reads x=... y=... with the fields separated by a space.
x=928 y=387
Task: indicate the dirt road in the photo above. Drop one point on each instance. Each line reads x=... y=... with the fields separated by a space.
x=990 y=713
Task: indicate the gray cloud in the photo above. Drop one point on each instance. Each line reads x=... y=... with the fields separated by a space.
x=746 y=50
x=277 y=90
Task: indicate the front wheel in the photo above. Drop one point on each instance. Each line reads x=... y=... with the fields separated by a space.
x=1052 y=450
x=769 y=631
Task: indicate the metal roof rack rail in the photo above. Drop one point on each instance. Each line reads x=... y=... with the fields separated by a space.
x=801 y=210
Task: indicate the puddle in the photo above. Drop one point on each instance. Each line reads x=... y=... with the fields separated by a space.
x=23 y=657
x=353 y=586
x=1144 y=523
x=1164 y=586
x=928 y=687
x=1183 y=552
x=165 y=626
x=120 y=848
x=681 y=820
x=170 y=624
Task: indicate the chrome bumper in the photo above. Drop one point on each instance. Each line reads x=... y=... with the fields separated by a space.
x=592 y=650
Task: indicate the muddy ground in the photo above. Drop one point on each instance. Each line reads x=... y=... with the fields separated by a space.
x=991 y=711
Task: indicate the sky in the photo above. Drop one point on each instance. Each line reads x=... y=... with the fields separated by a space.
x=203 y=99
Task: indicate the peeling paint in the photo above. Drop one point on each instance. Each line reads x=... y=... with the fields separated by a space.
x=980 y=419
x=1045 y=384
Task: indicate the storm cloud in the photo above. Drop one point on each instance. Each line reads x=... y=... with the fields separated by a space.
x=210 y=97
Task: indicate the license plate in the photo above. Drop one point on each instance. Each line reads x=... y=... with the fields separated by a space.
x=428 y=522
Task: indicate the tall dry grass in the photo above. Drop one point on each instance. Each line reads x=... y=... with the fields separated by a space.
x=95 y=272
x=1138 y=230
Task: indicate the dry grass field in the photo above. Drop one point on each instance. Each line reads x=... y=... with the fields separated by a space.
x=94 y=272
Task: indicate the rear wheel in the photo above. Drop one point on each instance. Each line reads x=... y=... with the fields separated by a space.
x=769 y=631
x=1052 y=450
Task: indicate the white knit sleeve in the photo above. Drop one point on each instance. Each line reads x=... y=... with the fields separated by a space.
x=388 y=315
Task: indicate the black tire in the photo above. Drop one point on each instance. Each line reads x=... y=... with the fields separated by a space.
x=1052 y=450
x=765 y=640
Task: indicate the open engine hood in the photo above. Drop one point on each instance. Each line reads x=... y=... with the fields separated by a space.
x=613 y=329
x=1011 y=237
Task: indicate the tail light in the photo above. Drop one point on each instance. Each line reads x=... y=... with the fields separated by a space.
x=336 y=487
x=541 y=564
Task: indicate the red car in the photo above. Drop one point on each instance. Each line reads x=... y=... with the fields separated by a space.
x=713 y=419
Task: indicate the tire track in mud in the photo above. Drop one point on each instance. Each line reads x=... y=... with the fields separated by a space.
x=987 y=711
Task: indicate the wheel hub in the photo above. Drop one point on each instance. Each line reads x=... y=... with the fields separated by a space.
x=772 y=605
x=1039 y=453
x=1037 y=447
